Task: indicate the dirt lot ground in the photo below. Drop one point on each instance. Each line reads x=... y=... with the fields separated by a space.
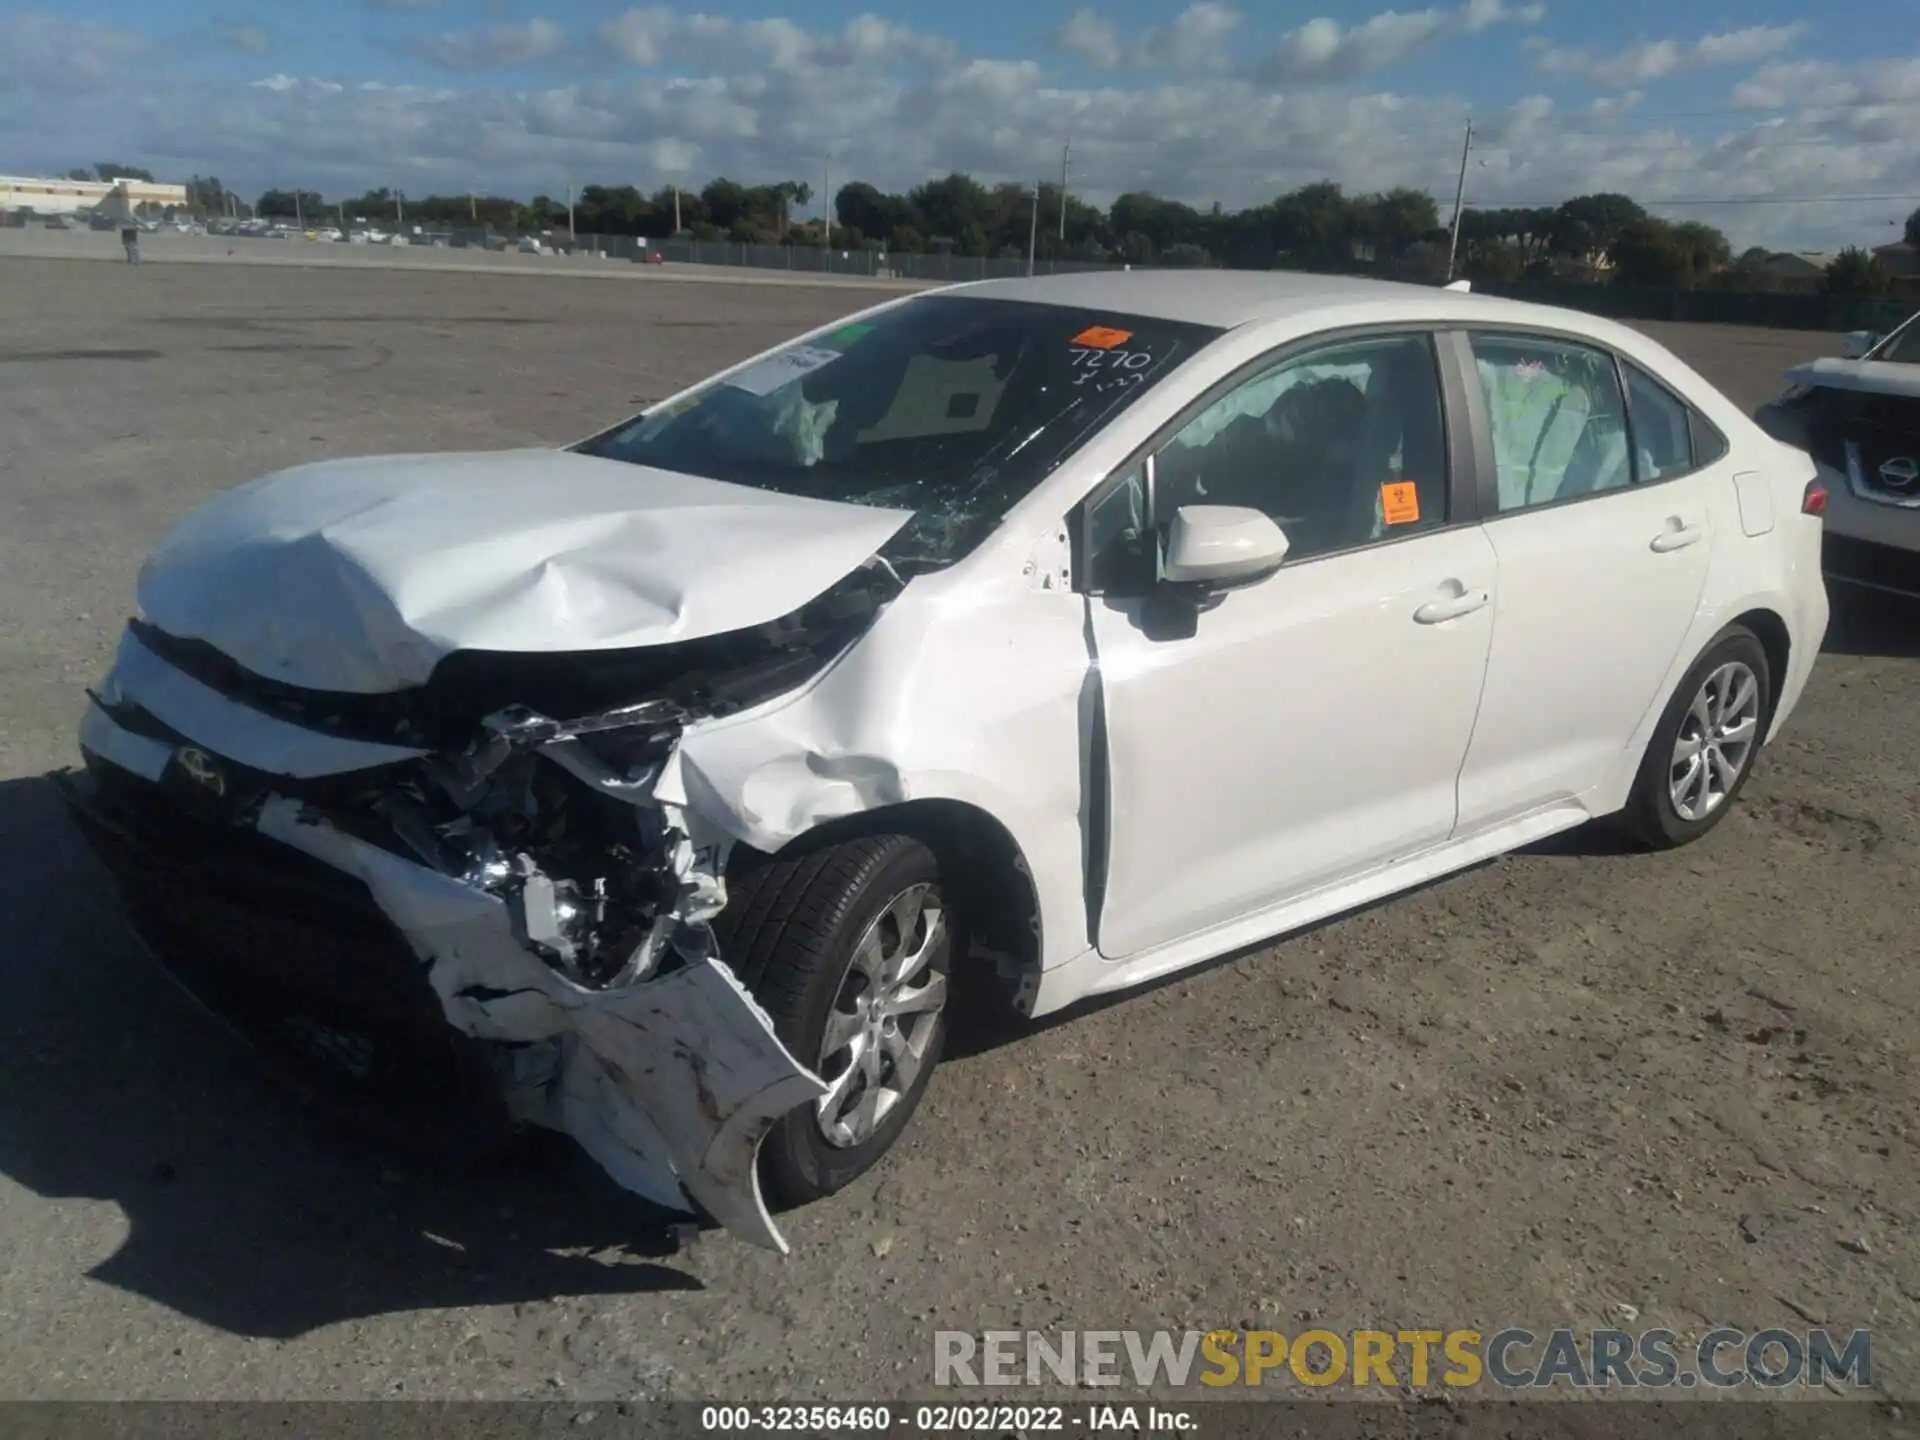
x=1575 y=1086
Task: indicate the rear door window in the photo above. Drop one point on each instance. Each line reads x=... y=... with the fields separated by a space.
x=1558 y=416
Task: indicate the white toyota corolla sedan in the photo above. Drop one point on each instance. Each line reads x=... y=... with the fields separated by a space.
x=1036 y=638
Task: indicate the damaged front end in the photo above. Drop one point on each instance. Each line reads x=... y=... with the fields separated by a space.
x=547 y=877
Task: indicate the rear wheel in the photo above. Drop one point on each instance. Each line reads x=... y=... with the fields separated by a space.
x=849 y=949
x=1703 y=749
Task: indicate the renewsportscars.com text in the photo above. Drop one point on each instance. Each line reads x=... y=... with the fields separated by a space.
x=1510 y=1359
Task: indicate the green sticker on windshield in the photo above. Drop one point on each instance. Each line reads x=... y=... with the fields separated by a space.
x=846 y=335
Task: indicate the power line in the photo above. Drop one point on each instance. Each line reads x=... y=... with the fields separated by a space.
x=1484 y=142
x=1543 y=131
x=1439 y=182
x=1674 y=200
x=1502 y=203
x=1787 y=144
x=1769 y=109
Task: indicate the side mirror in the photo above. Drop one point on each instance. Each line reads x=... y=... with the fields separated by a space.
x=1217 y=547
x=1856 y=343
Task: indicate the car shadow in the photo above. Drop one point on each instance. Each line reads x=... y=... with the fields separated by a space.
x=240 y=1212
x=1869 y=623
x=984 y=1024
x=1596 y=839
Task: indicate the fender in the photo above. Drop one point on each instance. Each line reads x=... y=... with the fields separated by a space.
x=1010 y=742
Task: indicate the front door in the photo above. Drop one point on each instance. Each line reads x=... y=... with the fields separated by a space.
x=1311 y=726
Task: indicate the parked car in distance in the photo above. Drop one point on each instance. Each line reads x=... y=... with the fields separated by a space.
x=1858 y=416
x=1039 y=637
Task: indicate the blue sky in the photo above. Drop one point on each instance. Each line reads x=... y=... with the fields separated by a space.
x=1208 y=101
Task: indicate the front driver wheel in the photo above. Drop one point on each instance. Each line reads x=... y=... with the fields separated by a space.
x=1703 y=749
x=849 y=949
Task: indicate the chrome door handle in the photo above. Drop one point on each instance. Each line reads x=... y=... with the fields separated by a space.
x=1436 y=612
x=1678 y=538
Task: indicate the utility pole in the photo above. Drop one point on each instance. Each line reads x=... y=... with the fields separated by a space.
x=1459 y=199
x=1066 y=160
x=826 y=204
x=1033 y=228
x=676 y=210
x=399 y=212
x=473 y=208
x=299 y=222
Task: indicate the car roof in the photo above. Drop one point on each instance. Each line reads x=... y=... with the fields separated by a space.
x=1303 y=303
x=1228 y=299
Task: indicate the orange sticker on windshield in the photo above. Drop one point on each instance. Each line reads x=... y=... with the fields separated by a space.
x=1400 y=504
x=1102 y=337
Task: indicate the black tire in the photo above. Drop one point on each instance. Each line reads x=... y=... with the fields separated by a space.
x=1650 y=817
x=789 y=932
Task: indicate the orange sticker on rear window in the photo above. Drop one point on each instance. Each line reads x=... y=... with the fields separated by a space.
x=1400 y=504
x=1102 y=337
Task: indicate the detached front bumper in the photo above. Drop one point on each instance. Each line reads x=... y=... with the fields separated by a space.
x=405 y=991
x=298 y=961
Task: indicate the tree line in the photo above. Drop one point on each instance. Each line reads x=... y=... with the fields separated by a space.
x=106 y=172
x=1396 y=233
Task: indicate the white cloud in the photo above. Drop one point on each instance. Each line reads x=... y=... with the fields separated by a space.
x=658 y=36
x=1823 y=83
x=765 y=100
x=1657 y=59
x=1478 y=15
x=1198 y=35
x=1612 y=107
x=497 y=47
x=288 y=84
x=42 y=53
x=1322 y=50
x=1196 y=40
x=249 y=38
x=1088 y=35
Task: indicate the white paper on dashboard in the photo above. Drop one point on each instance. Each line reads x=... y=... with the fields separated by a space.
x=763 y=377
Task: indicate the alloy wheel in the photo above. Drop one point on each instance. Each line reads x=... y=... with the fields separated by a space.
x=884 y=1018
x=1716 y=739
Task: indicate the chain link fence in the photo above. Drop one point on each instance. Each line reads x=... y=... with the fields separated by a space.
x=811 y=259
x=1772 y=311
x=1779 y=311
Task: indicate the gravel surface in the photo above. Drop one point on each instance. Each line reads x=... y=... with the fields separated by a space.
x=1568 y=1087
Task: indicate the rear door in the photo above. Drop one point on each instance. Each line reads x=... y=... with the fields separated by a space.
x=1604 y=537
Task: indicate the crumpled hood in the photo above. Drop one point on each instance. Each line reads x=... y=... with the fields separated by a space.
x=1878 y=377
x=359 y=575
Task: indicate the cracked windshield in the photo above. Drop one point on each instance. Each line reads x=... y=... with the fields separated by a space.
x=951 y=407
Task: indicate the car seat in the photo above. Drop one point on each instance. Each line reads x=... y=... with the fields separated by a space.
x=1404 y=441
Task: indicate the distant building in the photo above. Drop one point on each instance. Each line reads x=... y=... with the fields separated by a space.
x=1899 y=258
x=1798 y=264
x=1796 y=271
x=64 y=197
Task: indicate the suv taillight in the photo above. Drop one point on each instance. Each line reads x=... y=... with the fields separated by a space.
x=1814 y=501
